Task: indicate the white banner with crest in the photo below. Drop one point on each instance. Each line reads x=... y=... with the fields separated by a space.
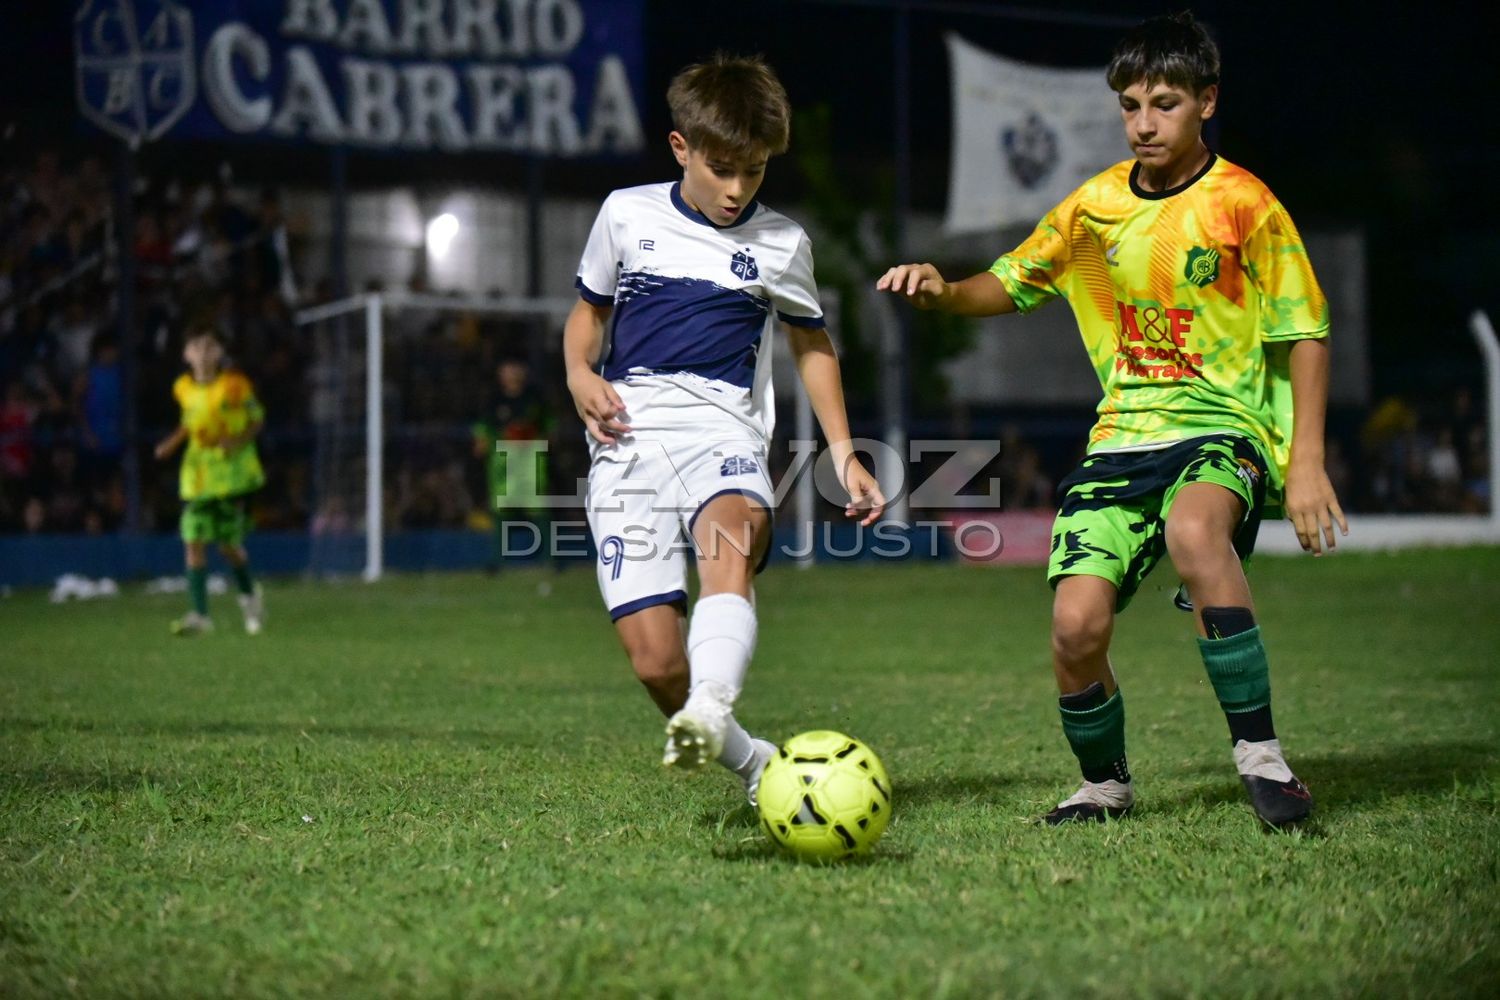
x=1024 y=137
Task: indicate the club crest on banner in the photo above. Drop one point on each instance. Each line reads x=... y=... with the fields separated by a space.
x=1030 y=150
x=134 y=65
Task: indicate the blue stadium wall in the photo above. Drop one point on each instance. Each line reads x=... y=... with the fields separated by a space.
x=38 y=560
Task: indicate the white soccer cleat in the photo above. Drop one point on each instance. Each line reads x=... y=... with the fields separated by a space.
x=192 y=623
x=695 y=735
x=761 y=753
x=253 y=607
x=1095 y=802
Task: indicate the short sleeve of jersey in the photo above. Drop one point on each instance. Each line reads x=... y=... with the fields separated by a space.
x=179 y=392
x=1039 y=269
x=599 y=270
x=795 y=294
x=1292 y=303
x=238 y=392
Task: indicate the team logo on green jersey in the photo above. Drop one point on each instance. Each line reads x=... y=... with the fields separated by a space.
x=1202 y=266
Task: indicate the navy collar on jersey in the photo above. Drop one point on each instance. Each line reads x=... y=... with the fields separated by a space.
x=1140 y=192
x=680 y=203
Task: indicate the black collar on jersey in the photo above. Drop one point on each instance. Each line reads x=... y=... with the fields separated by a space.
x=1140 y=192
x=680 y=203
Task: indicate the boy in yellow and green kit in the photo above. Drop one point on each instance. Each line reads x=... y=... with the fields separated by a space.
x=1207 y=329
x=220 y=418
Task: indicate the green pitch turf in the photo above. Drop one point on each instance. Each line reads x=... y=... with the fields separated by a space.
x=450 y=786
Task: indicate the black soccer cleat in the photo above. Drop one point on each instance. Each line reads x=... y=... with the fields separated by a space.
x=1095 y=802
x=1181 y=601
x=1279 y=803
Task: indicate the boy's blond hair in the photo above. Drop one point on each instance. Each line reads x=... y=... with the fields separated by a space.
x=731 y=105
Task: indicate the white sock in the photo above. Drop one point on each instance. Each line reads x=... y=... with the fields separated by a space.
x=738 y=751
x=720 y=642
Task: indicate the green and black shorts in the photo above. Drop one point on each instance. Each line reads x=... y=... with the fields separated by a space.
x=215 y=519
x=1113 y=508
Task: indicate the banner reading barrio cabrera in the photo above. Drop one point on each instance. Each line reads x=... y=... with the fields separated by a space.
x=549 y=77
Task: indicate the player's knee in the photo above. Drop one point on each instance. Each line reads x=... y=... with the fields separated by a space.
x=1079 y=632
x=658 y=665
x=1194 y=541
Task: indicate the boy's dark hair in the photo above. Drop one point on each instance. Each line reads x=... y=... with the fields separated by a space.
x=211 y=330
x=731 y=105
x=1173 y=49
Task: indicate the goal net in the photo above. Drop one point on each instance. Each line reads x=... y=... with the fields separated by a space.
x=430 y=362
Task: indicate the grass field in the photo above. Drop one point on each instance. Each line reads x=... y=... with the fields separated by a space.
x=450 y=786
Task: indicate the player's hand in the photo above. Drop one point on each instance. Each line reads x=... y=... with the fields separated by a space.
x=1313 y=508
x=866 y=501
x=164 y=449
x=602 y=409
x=919 y=284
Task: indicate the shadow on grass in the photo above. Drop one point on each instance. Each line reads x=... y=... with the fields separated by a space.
x=762 y=850
x=50 y=780
x=742 y=817
x=957 y=789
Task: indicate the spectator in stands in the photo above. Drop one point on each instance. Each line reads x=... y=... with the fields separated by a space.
x=1444 y=473
x=511 y=439
x=1028 y=487
x=1477 y=493
x=73 y=339
x=64 y=491
x=34 y=516
x=99 y=402
x=17 y=449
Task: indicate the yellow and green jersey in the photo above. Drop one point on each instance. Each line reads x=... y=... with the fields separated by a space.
x=1187 y=300
x=212 y=411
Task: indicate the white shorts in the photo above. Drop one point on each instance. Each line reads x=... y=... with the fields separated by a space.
x=643 y=498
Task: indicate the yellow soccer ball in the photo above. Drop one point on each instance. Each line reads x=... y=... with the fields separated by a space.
x=824 y=796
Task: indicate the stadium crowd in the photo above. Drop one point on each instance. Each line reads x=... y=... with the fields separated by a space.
x=205 y=252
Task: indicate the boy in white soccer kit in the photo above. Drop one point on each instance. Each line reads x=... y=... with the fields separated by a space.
x=691 y=278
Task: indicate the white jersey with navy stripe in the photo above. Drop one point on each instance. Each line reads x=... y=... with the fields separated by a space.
x=694 y=303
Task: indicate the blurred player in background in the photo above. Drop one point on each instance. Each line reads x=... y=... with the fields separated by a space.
x=691 y=277
x=512 y=440
x=220 y=418
x=1208 y=331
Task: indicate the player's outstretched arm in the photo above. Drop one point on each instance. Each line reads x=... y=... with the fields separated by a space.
x=1311 y=504
x=171 y=443
x=920 y=284
x=601 y=408
x=818 y=366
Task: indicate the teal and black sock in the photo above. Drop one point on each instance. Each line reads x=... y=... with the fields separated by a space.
x=243 y=578
x=197 y=580
x=1235 y=659
x=1095 y=728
